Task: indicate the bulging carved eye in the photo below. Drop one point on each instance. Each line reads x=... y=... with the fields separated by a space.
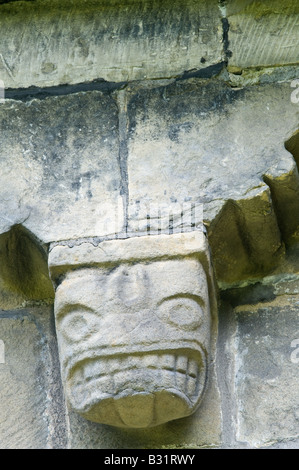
x=182 y=312
x=78 y=325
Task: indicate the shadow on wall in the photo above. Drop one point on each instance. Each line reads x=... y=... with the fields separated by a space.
x=24 y=264
x=292 y=145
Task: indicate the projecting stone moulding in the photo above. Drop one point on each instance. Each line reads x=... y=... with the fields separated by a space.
x=76 y=42
x=226 y=149
x=98 y=164
x=134 y=320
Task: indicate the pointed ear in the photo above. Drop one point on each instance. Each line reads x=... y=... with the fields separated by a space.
x=23 y=264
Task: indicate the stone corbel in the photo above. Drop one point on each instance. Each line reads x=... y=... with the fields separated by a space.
x=133 y=319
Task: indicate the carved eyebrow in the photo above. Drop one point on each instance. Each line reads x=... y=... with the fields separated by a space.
x=196 y=298
x=71 y=307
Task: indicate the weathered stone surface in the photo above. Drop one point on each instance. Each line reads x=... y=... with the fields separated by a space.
x=201 y=142
x=60 y=176
x=80 y=170
x=64 y=257
x=48 y=43
x=266 y=375
x=134 y=334
x=239 y=78
x=202 y=429
x=31 y=406
x=263 y=33
x=76 y=41
x=231 y=7
x=84 y=176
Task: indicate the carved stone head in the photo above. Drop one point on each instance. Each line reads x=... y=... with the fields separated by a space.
x=133 y=324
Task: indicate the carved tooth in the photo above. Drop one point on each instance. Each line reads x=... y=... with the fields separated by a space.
x=190 y=377
x=193 y=368
x=180 y=374
x=104 y=385
x=150 y=360
x=191 y=385
x=134 y=362
x=181 y=364
x=111 y=365
x=117 y=382
x=167 y=361
x=77 y=376
x=91 y=369
x=180 y=380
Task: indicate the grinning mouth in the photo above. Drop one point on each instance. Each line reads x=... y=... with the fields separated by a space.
x=114 y=377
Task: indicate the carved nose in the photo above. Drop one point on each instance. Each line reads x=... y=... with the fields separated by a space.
x=130 y=284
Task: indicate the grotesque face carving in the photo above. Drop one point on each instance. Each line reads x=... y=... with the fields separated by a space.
x=134 y=340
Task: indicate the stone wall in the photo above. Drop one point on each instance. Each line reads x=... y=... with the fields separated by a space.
x=118 y=118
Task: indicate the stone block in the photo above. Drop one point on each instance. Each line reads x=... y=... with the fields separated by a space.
x=60 y=176
x=262 y=33
x=266 y=376
x=31 y=406
x=189 y=143
x=114 y=252
x=52 y=42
